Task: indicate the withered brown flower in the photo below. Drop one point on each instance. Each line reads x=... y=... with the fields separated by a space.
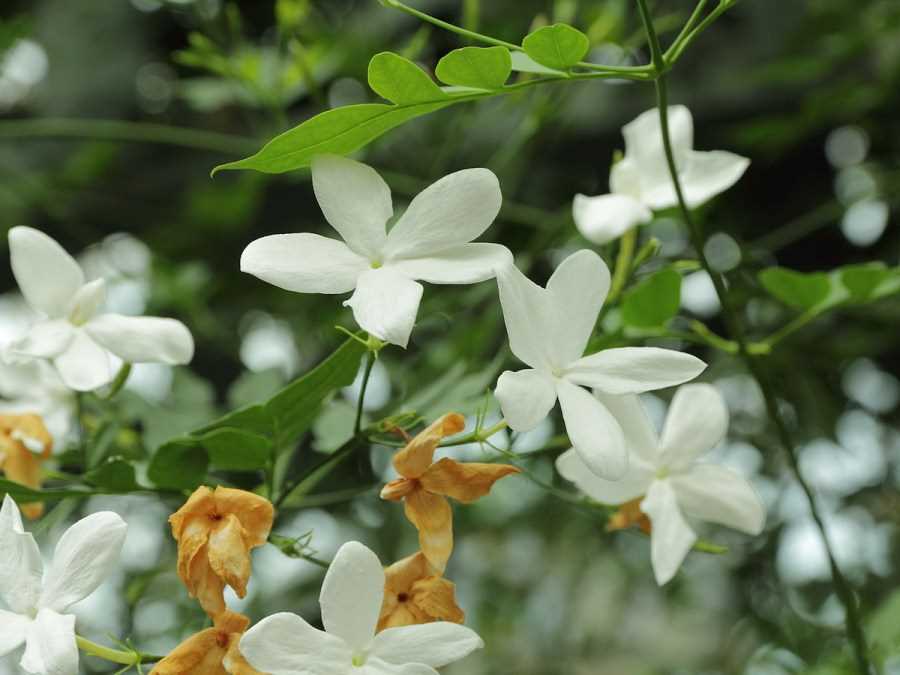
x=425 y=485
x=215 y=530
x=415 y=592
x=24 y=444
x=213 y=651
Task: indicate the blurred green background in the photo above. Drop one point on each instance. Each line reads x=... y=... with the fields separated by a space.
x=113 y=113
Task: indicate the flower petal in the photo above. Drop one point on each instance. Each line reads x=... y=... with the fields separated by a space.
x=633 y=484
x=578 y=288
x=229 y=556
x=44 y=340
x=633 y=370
x=47 y=275
x=707 y=174
x=671 y=537
x=355 y=200
x=85 y=556
x=606 y=217
x=50 y=647
x=21 y=568
x=87 y=301
x=143 y=339
x=200 y=654
x=284 y=644
x=13 y=628
x=352 y=595
x=414 y=459
x=530 y=318
x=593 y=431
x=453 y=210
x=84 y=365
x=526 y=397
x=640 y=434
x=434 y=644
x=256 y=513
x=460 y=264
x=303 y=263
x=644 y=147
x=464 y=482
x=697 y=421
x=385 y=304
x=376 y=666
x=433 y=518
x=720 y=495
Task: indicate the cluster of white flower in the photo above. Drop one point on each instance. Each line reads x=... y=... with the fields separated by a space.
x=615 y=458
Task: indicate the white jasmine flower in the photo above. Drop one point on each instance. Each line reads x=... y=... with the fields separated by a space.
x=666 y=474
x=549 y=329
x=640 y=183
x=85 y=555
x=430 y=242
x=351 y=600
x=82 y=343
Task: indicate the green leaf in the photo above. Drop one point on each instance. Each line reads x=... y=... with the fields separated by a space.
x=654 y=301
x=478 y=67
x=339 y=131
x=401 y=81
x=558 y=46
x=797 y=289
x=862 y=280
x=24 y=494
x=180 y=464
x=114 y=474
x=244 y=440
x=236 y=449
x=295 y=407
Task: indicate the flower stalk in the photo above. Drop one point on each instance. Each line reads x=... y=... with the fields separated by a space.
x=842 y=587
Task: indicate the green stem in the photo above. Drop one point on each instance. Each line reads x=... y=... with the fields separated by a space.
x=477 y=436
x=130 y=658
x=471 y=14
x=841 y=585
x=623 y=265
x=118 y=382
x=120 y=130
x=621 y=71
x=370 y=362
x=677 y=48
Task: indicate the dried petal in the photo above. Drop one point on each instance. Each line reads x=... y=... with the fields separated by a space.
x=416 y=457
x=398 y=489
x=431 y=515
x=628 y=515
x=436 y=597
x=229 y=555
x=464 y=482
x=254 y=512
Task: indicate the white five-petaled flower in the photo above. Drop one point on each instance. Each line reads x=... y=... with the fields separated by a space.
x=85 y=555
x=82 y=343
x=549 y=329
x=640 y=183
x=666 y=473
x=431 y=241
x=351 y=600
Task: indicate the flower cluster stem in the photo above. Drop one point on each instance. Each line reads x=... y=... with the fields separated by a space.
x=842 y=587
x=125 y=658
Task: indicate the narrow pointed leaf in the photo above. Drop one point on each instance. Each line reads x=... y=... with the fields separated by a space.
x=339 y=131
